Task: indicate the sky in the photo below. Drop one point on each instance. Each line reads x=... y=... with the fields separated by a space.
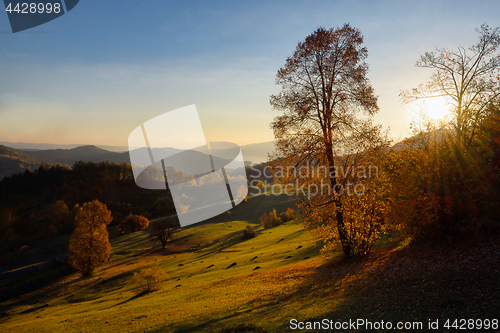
x=94 y=74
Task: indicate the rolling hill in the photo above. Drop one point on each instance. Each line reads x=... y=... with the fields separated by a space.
x=84 y=153
x=218 y=282
x=69 y=154
x=13 y=161
x=17 y=160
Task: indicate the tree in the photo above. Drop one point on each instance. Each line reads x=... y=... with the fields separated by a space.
x=447 y=176
x=89 y=243
x=149 y=279
x=324 y=88
x=161 y=231
x=468 y=78
x=270 y=220
x=132 y=222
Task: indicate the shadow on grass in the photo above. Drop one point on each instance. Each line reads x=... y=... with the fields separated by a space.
x=34 y=309
x=223 y=245
x=240 y=328
x=142 y=293
x=243 y=328
x=325 y=283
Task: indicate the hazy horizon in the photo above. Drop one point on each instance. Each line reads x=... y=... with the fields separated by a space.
x=92 y=76
x=33 y=145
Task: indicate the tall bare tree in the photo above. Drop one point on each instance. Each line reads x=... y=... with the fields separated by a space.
x=468 y=78
x=324 y=90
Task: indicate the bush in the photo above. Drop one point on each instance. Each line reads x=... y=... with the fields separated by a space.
x=132 y=222
x=270 y=220
x=149 y=279
x=248 y=233
x=445 y=189
x=241 y=193
x=287 y=216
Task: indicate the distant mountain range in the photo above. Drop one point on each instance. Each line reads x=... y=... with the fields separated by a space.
x=31 y=156
x=45 y=146
x=13 y=161
x=83 y=153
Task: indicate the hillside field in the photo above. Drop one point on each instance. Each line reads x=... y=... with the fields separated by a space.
x=218 y=282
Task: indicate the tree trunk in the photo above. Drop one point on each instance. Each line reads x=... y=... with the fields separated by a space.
x=339 y=216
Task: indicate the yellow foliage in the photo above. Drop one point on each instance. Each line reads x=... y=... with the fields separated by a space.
x=149 y=279
x=89 y=244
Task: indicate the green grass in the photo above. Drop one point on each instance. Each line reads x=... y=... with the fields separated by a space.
x=199 y=280
x=204 y=292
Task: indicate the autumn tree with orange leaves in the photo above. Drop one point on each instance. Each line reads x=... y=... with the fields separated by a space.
x=325 y=94
x=448 y=176
x=89 y=244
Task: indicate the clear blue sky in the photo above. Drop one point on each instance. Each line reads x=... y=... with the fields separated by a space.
x=94 y=74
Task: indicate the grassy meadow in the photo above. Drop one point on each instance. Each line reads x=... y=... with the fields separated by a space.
x=218 y=282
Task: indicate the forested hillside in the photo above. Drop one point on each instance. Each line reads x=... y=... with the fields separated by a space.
x=13 y=161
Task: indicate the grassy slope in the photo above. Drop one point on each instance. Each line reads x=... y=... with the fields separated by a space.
x=408 y=284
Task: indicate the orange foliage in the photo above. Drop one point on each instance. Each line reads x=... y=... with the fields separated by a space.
x=89 y=244
x=134 y=222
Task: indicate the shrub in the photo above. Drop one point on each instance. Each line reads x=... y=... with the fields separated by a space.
x=241 y=193
x=149 y=279
x=445 y=189
x=287 y=216
x=248 y=233
x=132 y=222
x=270 y=220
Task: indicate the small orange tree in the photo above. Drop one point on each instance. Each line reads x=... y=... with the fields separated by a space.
x=270 y=220
x=89 y=244
x=134 y=222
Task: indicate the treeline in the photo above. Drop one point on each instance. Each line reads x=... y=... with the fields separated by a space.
x=443 y=187
x=43 y=203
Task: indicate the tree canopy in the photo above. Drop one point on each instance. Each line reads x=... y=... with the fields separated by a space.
x=325 y=90
x=469 y=78
x=89 y=243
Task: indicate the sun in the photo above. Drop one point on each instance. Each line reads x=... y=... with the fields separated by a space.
x=436 y=108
